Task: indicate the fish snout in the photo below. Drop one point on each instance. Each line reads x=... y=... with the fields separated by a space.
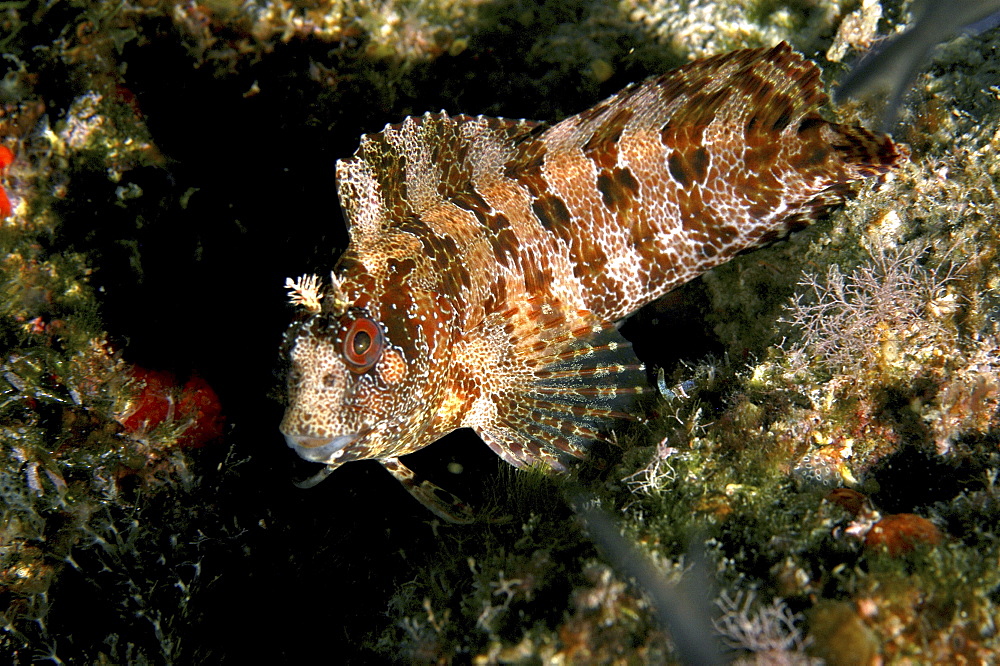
x=318 y=449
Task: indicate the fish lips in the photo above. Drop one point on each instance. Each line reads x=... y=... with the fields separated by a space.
x=320 y=449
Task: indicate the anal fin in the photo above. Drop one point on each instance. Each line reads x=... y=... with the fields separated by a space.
x=441 y=503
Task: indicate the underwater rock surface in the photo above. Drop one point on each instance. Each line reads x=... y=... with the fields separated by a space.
x=827 y=434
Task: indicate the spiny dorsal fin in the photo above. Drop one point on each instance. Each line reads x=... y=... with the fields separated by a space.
x=414 y=165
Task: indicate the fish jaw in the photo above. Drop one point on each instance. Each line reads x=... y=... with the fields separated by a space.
x=319 y=449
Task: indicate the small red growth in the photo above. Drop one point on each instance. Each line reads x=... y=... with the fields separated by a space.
x=851 y=500
x=128 y=98
x=901 y=533
x=6 y=159
x=162 y=399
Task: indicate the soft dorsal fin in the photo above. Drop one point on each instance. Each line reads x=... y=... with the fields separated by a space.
x=677 y=174
x=769 y=90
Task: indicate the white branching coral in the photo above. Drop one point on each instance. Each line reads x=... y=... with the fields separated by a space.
x=769 y=632
x=895 y=322
x=656 y=475
x=885 y=308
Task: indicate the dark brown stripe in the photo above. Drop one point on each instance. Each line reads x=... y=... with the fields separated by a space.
x=618 y=188
x=676 y=166
x=602 y=147
x=699 y=162
x=502 y=239
x=784 y=110
x=553 y=214
x=475 y=204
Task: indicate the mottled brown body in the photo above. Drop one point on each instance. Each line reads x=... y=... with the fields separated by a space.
x=490 y=259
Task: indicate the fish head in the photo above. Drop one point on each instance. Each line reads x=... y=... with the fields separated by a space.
x=359 y=381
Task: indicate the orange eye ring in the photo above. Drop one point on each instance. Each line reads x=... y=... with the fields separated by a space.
x=362 y=344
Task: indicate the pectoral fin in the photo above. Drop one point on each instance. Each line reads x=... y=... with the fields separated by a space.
x=570 y=390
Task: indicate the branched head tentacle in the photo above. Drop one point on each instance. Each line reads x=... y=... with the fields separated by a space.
x=338 y=302
x=305 y=292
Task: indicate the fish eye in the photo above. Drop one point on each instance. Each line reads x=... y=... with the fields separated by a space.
x=362 y=344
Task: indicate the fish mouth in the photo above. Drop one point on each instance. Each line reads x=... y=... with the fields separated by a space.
x=320 y=449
